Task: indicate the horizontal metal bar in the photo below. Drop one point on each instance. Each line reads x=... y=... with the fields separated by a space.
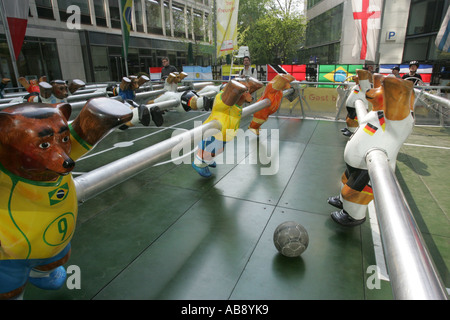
x=411 y=270
x=101 y=179
x=361 y=109
x=439 y=100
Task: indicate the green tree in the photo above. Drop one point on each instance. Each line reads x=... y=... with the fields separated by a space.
x=275 y=37
x=251 y=11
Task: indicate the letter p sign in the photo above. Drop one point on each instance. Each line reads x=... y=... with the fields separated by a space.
x=391 y=36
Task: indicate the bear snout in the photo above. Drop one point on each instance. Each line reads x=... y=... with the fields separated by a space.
x=68 y=164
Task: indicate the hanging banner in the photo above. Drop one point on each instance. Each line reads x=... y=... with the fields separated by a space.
x=126 y=10
x=425 y=70
x=17 y=16
x=367 y=16
x=298 y=71
x=198 y=73
x=336 y=72
x=227 y=13
x=155 y=73
x=443 y=37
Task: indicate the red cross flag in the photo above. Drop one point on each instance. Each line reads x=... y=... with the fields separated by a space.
x=367 y=16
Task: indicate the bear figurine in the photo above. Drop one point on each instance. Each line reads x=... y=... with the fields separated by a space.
x=54 y=92
x=38 y=202
x=386 y=127
x=227 y=109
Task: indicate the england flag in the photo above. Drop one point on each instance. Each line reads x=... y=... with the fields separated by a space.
x=367 y=16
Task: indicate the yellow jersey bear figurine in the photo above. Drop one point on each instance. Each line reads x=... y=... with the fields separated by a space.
x=38 y=202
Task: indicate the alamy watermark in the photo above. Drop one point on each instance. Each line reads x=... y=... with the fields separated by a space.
x=374 y=280
x=73 y=280
x=74 y=20
x=242 y=148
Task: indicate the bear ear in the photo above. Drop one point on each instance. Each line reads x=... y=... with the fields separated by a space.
x=65 y=108
x=5 y=116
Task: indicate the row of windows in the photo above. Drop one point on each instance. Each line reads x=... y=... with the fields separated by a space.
x=177 y=19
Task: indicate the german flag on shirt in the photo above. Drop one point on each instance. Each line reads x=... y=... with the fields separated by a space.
x=367 y=190
x=381 y=119
x=370 y=129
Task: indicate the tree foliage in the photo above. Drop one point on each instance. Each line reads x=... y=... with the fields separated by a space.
x=273 y=32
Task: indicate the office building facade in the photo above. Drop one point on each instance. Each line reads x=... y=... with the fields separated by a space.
x=408 y=31
x=67 y=39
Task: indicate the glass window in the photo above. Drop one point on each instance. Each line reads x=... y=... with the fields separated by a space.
x=114 y=13
x=178 y=22
x=189 y=22
x=167 y=19
x=39 y=57
x=44 y=9
x=207 y=27
x=312 y=3
x=198 y=27
x=51 y=60
x=100 y=63
x=82 y=4
x=425 y=16
x=138 y=15
x=154 y=20
x=416 y=49
x=325 y=27
x=100 y=14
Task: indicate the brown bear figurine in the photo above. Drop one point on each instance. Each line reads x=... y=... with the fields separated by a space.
x=38 y=202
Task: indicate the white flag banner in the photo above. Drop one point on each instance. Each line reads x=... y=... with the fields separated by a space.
x=227 y=13
x=17 y=16
x=443 y=38
x=367 y=16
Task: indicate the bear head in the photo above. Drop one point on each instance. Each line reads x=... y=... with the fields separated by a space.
x=35 y=141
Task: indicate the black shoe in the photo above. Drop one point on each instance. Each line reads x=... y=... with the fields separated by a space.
x=347 y=132
x=144 y=115
x=344 y=219
x=335 y=202
x=208 y=103
x=157 y=116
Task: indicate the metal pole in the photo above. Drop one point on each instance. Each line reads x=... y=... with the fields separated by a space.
x=101 y=179
x=439 y=100
x=10 y=45
x=411 y=270
x=361 y=109
x=94 y=182
x=125 y=49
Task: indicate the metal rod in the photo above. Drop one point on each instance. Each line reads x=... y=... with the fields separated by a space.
x=125 y=48
x=361 y=109
x=412 y=273
x=439 y=100
x=101 y=179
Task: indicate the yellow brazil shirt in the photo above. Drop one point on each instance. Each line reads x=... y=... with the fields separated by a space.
x=37 y=218
x=228 y=116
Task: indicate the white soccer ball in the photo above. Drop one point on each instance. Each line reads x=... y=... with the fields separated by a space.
x=291 y=239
